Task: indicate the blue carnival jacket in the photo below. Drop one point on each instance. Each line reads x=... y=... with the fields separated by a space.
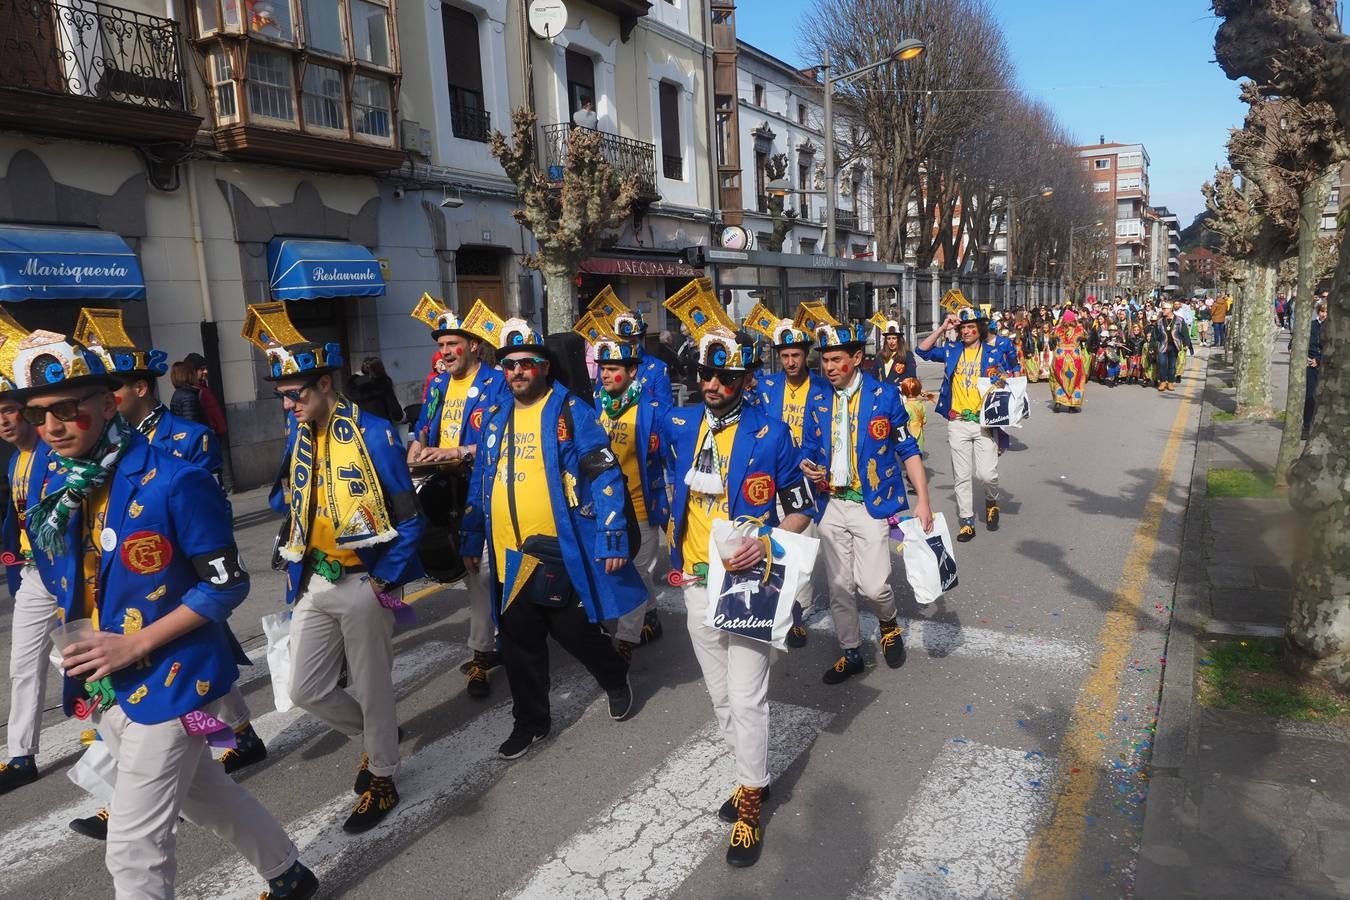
x=594 y=529
x=188 y=440
x=396 y=559
x=991 y=358
x=772 y=389
x=653 y=375
x=652 y=470
x=488 y=385
x=168 y=542
x=881 y=438
x=764 y=467
x=9 y=531
x=1011 y=364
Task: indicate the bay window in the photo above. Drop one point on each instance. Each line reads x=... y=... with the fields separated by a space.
x=270 y=91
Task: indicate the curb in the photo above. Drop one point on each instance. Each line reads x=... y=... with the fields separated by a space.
x=1165 y=819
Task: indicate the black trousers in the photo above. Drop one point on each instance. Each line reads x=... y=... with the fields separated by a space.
x=525 y=630
x=1310 y=397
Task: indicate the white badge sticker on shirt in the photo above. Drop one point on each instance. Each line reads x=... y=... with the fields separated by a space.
x=491 y=441
x=473 y=391
x=108 y=540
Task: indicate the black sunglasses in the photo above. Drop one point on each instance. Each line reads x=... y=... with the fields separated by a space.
x=706 y=373
x=530 y=362
x=295 y=395
x=64 y=410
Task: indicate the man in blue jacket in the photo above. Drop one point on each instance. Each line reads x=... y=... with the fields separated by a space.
x=139 y=543
x=974 y=447
x=652 y=373
x=350 y=544
x=448 y=429
x=546 y=505
x=856 y=444
x=631 y=418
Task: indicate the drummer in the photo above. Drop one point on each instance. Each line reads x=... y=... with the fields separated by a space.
x=447 y=431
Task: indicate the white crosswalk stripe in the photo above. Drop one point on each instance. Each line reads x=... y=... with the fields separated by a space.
x=649 y=842
x=39 y=845
x=966 y=829
x=438 y=775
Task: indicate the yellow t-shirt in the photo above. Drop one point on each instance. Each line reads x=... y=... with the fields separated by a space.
x=623 y=441
x=794 y=408
x=918 y=416
x=856 y=483
x=23 y=469
x=534 y=508
x=452 y=409
x=95 y=514
x=703 y=508
x=322 y=535
x=966 y=381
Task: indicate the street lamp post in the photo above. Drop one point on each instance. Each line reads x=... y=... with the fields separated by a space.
x=1008 y=253
x=1072 y=230
x=908 y=49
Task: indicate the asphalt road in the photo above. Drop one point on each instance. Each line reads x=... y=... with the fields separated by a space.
x=1002 y=760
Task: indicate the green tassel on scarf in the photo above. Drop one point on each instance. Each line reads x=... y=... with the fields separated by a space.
x=50 y=516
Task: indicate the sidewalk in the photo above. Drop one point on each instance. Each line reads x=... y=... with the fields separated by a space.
x=1239 y=805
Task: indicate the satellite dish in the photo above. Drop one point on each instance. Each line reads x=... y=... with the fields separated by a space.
x=547 y=18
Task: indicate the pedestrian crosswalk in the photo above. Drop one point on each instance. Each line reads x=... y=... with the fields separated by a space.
x=962 y=833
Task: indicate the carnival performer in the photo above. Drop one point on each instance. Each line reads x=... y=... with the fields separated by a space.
x=1135 y=345
x=1170 y=335
x=34 y=602
x=974 y=448
x=632 y=419
x=546 y=507
x=785 y=396
x=896 y=360
x=150 y=676
x=350 y=544
x=916 y=405
x=627 y=326
x=730 y=460
x=1033 y=343
x=856 y=446
x=448 y=430
x=1069 y=367
x=1009 y=363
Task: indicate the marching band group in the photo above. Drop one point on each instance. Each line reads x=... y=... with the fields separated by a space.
x=120 y=548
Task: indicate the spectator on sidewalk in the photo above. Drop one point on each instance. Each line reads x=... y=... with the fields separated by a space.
x=1314 y=365
x=1218 y=319
x=186 y=402
x=213 y=411
x=373 y=391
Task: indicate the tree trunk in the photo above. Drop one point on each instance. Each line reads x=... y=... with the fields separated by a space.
x=1252 y=375
x=1309 y=216
x=562 y=298
x=1319 y=606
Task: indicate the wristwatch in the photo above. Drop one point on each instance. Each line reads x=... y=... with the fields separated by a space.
x=381 y=585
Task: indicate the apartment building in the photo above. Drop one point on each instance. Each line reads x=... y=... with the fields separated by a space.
x=1119 y=177
x=1340 y=193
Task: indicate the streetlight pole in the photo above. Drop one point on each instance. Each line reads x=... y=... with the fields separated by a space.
x=1008 y=255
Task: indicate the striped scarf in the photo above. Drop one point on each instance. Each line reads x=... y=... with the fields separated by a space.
x=51 y=515
x=706 y=475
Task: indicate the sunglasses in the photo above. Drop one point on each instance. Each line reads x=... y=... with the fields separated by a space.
x=529 y=364
x=64 y=410
x=727 y=378
x=296 y=395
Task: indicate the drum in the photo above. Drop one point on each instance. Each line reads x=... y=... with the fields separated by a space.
x=441 y=496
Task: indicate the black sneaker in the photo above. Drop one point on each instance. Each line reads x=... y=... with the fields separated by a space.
x=651 y=628
x=476 y=683
x=95 y=826
x=376 y=802
x=747 y=840
x=893 y=647
x=796 y=637
x=621 y=701
x=296 y=883
x=729 y=812
x=363 y=776
x=967 y=531
x=848 y=665
x=249 y=750
x=519 y=742
x=486 y=659
x=17 y=772
x=991 y=516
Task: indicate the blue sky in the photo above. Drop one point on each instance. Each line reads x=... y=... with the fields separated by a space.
x=1138 y=71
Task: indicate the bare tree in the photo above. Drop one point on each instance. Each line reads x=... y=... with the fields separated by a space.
x=1297 y=50
x=569 y=221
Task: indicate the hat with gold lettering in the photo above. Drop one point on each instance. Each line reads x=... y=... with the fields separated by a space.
x=289 y=353
x=102 y=331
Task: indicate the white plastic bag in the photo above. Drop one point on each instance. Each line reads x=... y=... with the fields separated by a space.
x=277 y=627
x=744 y=603
x=1004 y=407
x=96 y=772
x=930 y=564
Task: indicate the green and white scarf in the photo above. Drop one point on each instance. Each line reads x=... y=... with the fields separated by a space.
x=841 y=470
x=49 y=518
x=615 y=407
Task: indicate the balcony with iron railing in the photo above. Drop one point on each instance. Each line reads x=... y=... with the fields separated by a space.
x=628 y=156
x=89 y=69
x=470 y=122
x=845 y=219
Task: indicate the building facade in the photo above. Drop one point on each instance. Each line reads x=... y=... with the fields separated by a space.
x=1119 y=177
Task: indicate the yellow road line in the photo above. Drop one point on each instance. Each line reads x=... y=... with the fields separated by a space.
x=1047 y=872
x=424 y=592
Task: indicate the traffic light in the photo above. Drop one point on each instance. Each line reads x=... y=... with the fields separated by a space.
x=859 y=293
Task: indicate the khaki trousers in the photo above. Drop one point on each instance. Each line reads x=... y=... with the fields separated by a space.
x=629 y=628
x=344 y=619
x=482 y=629
x=974 y=455
x=858 y=564
x=34 y=618
x=736 y=674
x=162 y=773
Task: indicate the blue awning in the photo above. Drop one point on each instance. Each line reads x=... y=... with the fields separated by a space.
x=59 y=264
x=305 y=270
